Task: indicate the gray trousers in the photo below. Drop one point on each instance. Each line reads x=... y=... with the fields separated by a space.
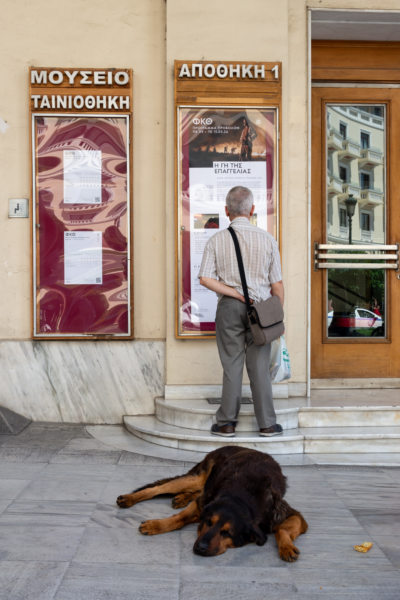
x=234 y=345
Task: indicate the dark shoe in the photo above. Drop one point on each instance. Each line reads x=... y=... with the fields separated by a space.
x=273 y=430
x=227 y=430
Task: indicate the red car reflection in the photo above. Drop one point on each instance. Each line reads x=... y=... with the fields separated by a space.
x=360 y=318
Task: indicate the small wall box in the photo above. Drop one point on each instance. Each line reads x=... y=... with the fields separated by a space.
x=18 y=207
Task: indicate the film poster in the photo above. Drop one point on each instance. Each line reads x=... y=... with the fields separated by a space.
x=219 y=148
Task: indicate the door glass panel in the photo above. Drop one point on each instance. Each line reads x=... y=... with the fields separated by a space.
x=356 y=303
x=355 y=215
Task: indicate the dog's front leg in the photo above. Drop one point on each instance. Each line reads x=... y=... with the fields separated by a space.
x=286 y=533
x=190 y=514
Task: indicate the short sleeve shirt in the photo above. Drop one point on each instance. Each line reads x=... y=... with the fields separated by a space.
x=260 y=254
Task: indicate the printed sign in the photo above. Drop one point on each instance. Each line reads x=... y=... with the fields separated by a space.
x=220 y=148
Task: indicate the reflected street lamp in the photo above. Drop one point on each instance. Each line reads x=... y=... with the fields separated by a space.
x=350 y=203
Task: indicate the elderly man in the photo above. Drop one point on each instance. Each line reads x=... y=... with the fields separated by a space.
x=219 y=272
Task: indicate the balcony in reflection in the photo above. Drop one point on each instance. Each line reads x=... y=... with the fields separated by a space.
x=355 y=169
x=356 y=166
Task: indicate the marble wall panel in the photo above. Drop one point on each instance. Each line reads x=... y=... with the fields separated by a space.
x=81 y=382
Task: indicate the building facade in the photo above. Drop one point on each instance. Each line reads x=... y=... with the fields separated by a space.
x=352 y=153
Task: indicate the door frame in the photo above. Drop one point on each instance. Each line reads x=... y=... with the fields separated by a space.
x=356 y=350
x=338 y=69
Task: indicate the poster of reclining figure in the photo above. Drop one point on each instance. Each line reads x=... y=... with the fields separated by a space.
x=219 y=148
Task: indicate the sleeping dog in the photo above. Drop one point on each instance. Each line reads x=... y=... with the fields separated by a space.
x=236 y=496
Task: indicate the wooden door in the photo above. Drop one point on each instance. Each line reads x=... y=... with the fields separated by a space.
x=355 y=305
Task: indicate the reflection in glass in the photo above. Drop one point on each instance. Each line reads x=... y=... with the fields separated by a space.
x=355 y=214
x=356 y=303
x=356 y=166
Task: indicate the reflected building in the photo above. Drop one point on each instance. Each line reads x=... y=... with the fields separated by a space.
x=356 y=165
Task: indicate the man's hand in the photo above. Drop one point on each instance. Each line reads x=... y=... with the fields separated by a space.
x=221 y=288
x=278 y=290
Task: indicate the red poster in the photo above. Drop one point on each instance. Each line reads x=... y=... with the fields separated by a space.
x=81 y=226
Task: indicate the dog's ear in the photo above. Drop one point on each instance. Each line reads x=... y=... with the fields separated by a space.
x=257 y=536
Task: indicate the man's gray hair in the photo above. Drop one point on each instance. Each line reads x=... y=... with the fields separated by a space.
x=239 y=201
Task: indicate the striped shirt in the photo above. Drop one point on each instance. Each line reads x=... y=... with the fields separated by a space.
x=260 y=256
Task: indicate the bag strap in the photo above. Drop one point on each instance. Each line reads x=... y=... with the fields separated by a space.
x=241 y=267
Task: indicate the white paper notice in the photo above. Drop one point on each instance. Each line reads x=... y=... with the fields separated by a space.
x=208 y=190
x=82 y=176
x=83 y=257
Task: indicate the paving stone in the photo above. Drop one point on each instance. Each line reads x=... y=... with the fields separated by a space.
x=390 y=547
x=127 y=545
x=119 y=582
x=11 y=470
x=364 y=581
x=50 y=513
x=28 y=543
x=237 y=591
x=73 y=490
x=47 y=435
x=63 y=485
x=85 y=457
x=379 y=522
x=11 y=488
x=339 y=520
x=21 y=580
x=11 y=422
x=86 y=451
x=3 y=505
x=82 y=471
x=132 y=458
x=25 y=454
x=210 y=572
x=331 y=550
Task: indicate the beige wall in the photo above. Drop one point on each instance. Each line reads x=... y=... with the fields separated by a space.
x=53 y=33
x=257 y=30
x=148 y=35
x=260 y=31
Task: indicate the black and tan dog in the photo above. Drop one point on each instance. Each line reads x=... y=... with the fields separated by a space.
x=236 y=496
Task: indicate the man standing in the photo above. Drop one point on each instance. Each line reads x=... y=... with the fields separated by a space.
x=219 y=272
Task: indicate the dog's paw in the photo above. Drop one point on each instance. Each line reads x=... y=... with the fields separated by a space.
x=149 y=527
x=125 y=501
x=181 y=500
x=289 y=553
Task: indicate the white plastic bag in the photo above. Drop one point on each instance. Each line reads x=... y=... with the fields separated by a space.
x=279 y=366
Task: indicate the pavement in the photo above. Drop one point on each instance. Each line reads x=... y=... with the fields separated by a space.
x=62 y=536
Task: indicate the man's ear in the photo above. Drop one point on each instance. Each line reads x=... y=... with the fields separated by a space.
x=253 y=208
x=226 y=211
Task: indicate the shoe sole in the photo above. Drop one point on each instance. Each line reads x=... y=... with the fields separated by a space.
x=223 y=434
x=271 y=434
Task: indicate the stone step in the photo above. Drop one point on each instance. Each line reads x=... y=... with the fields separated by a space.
x=351 y=439
x=349 y=416
x=199 y=414
x=293 y=441
x=149 y=428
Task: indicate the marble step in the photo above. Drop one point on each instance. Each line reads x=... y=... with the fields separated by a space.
x=352 y=440
x=149 y=428
x=199 y=414
x=349 y=416
x=329 y=440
